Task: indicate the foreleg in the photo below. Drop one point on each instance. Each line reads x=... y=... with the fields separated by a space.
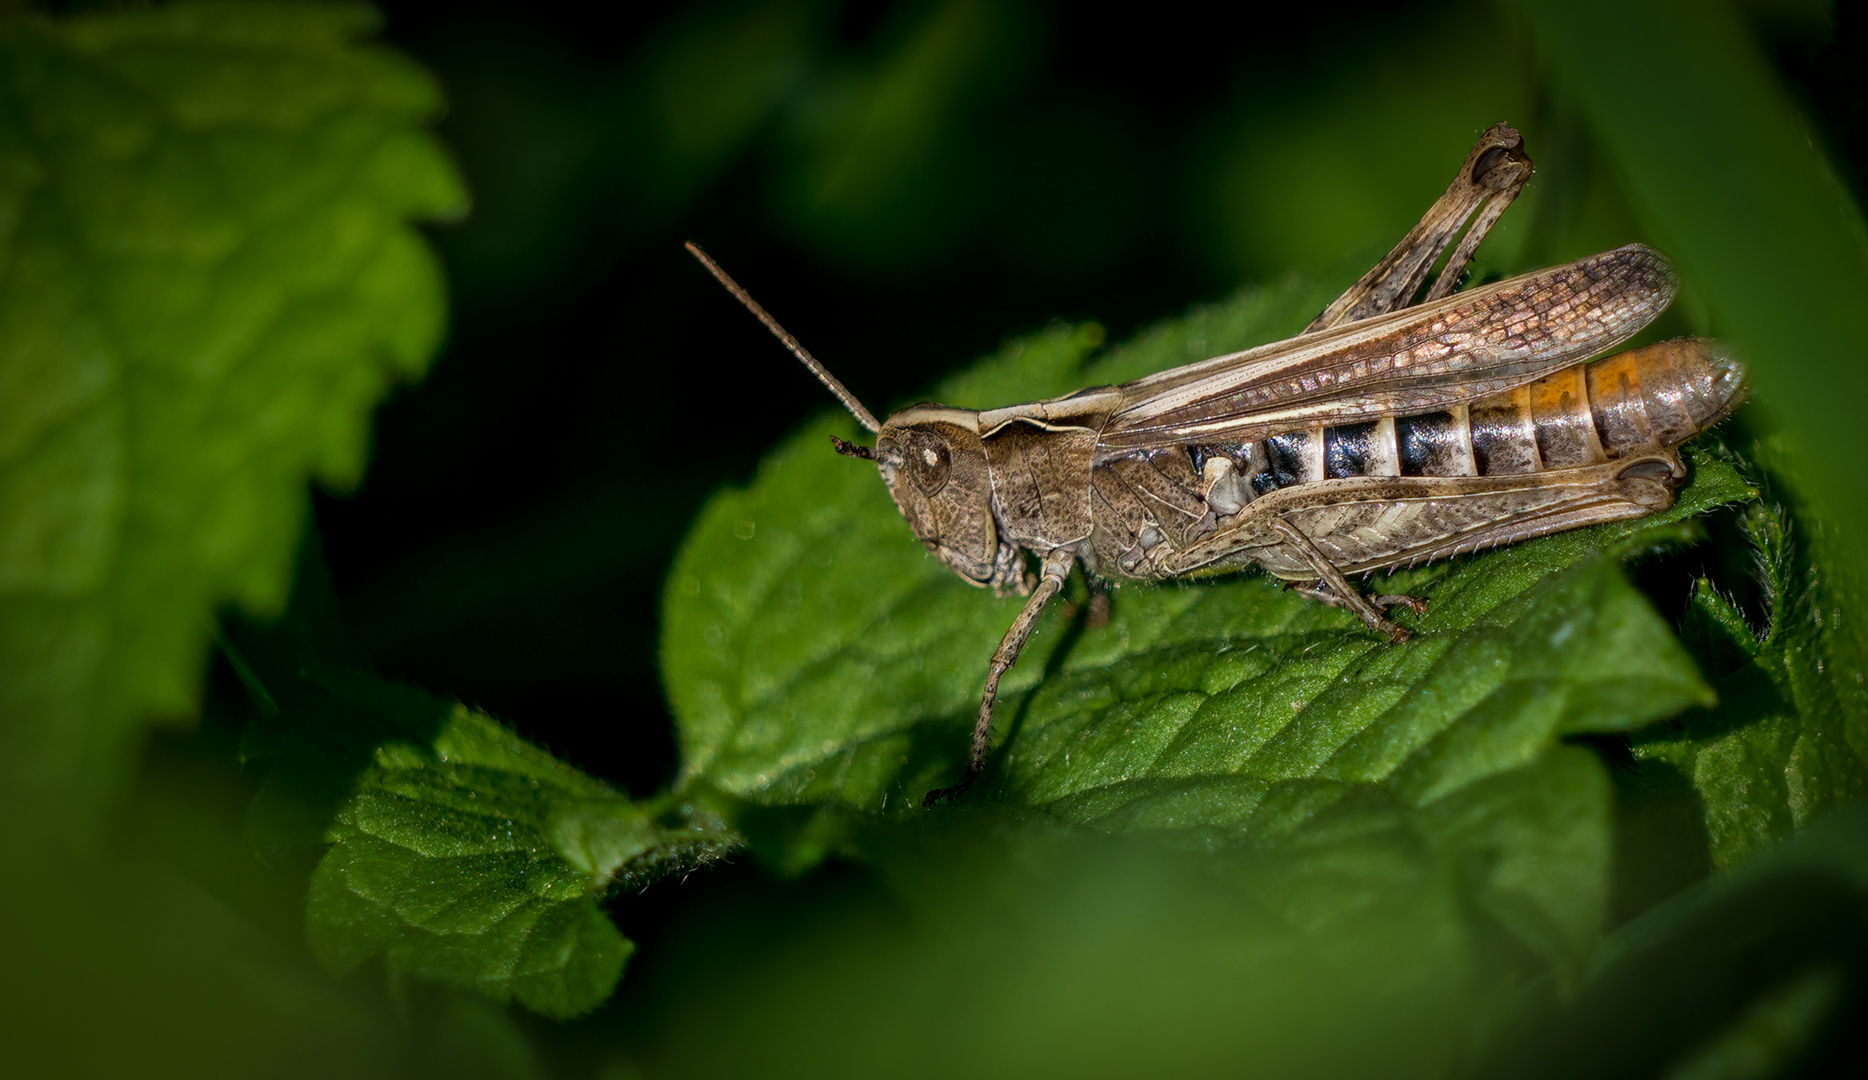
x=1051 y=577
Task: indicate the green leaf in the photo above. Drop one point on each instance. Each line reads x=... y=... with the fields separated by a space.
x=207 y=278
x=460 y=852
x=815 y=656
x=1718 y=139
x=1788 y=741
x=446 y=844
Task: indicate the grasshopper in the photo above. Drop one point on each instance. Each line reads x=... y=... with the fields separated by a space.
x=1391 y=431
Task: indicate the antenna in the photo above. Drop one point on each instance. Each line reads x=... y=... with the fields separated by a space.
x=863 y=416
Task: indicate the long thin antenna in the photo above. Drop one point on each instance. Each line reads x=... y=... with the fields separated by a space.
x=863 y=416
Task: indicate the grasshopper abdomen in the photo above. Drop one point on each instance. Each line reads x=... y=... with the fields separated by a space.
x=1545 y=456
x=1645 y=399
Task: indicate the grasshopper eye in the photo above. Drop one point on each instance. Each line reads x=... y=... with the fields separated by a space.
x=929 y=462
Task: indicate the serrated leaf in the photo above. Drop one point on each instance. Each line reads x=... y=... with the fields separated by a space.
x=1788 y=741
x=815 y=656
x=460 y=852
x=207 y=278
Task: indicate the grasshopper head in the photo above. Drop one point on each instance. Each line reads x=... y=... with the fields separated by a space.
x=933 y=461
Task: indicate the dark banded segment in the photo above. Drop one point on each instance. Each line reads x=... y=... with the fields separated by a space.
x=1435 y=444
x=1616 y=406
x=1348 y=450
x=1295 y=457
x=1504 y=434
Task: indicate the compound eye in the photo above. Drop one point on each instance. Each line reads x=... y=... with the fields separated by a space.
x=929 y=462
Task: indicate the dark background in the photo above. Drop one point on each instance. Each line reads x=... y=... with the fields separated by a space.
x=904 y=185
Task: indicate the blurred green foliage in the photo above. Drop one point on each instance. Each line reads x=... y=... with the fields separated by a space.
x=209 y=280
x=1598 y=816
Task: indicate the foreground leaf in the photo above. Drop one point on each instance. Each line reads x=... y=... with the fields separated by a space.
x=194 y=985
x=996 y=945
x=996 y=948
x=207 y=278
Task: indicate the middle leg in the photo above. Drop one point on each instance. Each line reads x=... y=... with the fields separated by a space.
x=1334 y=589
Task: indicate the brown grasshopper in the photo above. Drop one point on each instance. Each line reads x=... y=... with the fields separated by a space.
x=1391 y=431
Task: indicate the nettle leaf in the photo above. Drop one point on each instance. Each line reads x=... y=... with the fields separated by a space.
x=1788 y=741
x=207 y=278
x=815 y=655
x=458 y=851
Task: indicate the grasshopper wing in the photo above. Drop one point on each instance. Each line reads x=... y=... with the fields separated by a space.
x=1418 y=359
